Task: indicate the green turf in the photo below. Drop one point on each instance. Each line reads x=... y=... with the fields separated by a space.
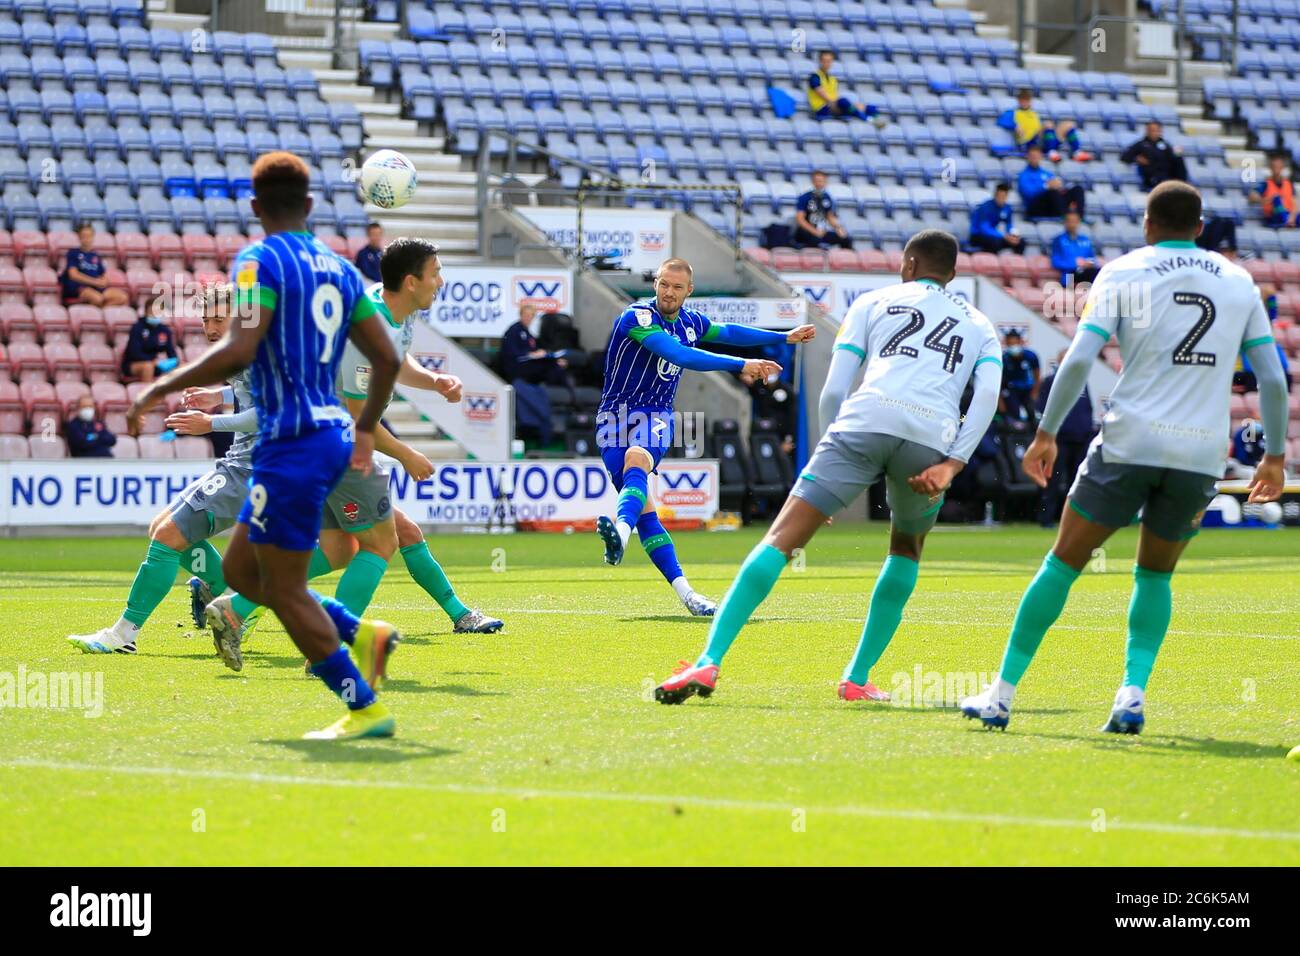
x=542 y=745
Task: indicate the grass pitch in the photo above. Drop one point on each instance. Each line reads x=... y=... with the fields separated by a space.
x=541 y=744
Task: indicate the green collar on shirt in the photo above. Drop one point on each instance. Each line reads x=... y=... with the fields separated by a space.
x=1175 y=244
x=930 y=282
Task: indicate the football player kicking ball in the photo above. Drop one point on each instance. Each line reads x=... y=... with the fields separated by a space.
x=1181 y=315
x=650 y=345
x=920 y=345
x=298 y=305
x=210 y=505
x=359 y=507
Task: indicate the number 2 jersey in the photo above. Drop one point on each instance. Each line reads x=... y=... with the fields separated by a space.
x=312 y=296
x=921 y=345
x=1181 y=315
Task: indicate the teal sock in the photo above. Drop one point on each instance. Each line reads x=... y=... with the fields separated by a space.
x=1148 y=620
x=204 y=562
x=360 y=580
x=1039 y=609
x=319 y=566
x=755 y=581
x=153 y=580
x=889 y=597
x=428 y=574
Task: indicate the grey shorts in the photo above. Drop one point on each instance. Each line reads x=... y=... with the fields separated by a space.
x=843 y=465
x=358 y=502
x=1111 y=494
x=211 y=504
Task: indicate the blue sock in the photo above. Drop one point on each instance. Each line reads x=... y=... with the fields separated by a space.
x=1072 y=137
x=343 y=619
x=658 y=546
x=631 y=499
x=340 y=672
x=1050 y=141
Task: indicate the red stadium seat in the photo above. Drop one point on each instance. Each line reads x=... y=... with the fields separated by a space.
x=1040 y=269
x=133 y=249
x=109 y=396
x=228 y=246
x=28 y=243
x=152 y=423
x=812 y=260
x=151 y=446
x=1015 y=266
x=760 y=255
x=42 y=283
x=69 y=393
x=1237 y=405
x=88 y=324
x=12 y=287
x=198 y=246
x=17 y=322
x=61 y=242
x=6 y=244
x=47 y=446
x=64 y=362
x=141 y=280
x=786 y=260
x=14 y=446
x=53 y=324
x=1261 y=270
x=964 y=267
x=119 y=318
x=894 y=260
x=1032 y=296
x=986 y=264
x=843 y=260
x=1287 y=271
x=13 y=414
x=193 y=447
x=351 y=246
x=27 y=361
x=99 y=363
x=168 y=252
x=6 y=373
x=126 y=446
x=873 y=260
x=42 y=405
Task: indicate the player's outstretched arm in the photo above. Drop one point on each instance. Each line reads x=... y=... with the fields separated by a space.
x=415 y=375
x=232 y=354
x=1270 y=474
x=979 y=414
x=726 y=333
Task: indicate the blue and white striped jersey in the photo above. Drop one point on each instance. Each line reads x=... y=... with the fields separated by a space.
x=313 y=296
x=634 y=376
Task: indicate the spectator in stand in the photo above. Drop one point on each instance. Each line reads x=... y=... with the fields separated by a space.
x=824 y=100
x=1277 y=203
x=1030 y=129
x=150 y=347
x=1020 y=379
x=1072 y=252
x=990 y=223
x=1072 y=441
x=815 y=222
x=522 y=359
x=83 y=278
x=368 y=256
x=1044 y=193
x=1156 y=159
x=1247 y=450
x=85 y=433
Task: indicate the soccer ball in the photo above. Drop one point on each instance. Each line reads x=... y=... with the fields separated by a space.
x=388 y=179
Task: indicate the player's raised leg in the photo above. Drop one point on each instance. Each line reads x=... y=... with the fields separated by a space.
x=793 y=528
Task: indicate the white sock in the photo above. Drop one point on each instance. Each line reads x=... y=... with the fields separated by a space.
x=125 y=629
x=624 y=531
x=1003 y=691
x=1126 y=694
x=683 y=588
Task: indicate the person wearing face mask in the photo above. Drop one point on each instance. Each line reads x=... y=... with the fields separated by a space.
x=520 y=356
x=150 y=348
x=1020 y=379
x=85 y=433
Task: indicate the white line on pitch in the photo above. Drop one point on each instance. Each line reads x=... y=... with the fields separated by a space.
x=893 y=813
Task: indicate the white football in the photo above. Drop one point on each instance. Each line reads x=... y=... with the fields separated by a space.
x=388 y=179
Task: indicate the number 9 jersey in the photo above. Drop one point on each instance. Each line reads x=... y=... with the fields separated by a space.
x=920 y=344
x=313 y=296
x=1180 y=315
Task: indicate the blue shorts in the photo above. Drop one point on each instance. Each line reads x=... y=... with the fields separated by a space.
x=653 y=433
x=291 y=479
